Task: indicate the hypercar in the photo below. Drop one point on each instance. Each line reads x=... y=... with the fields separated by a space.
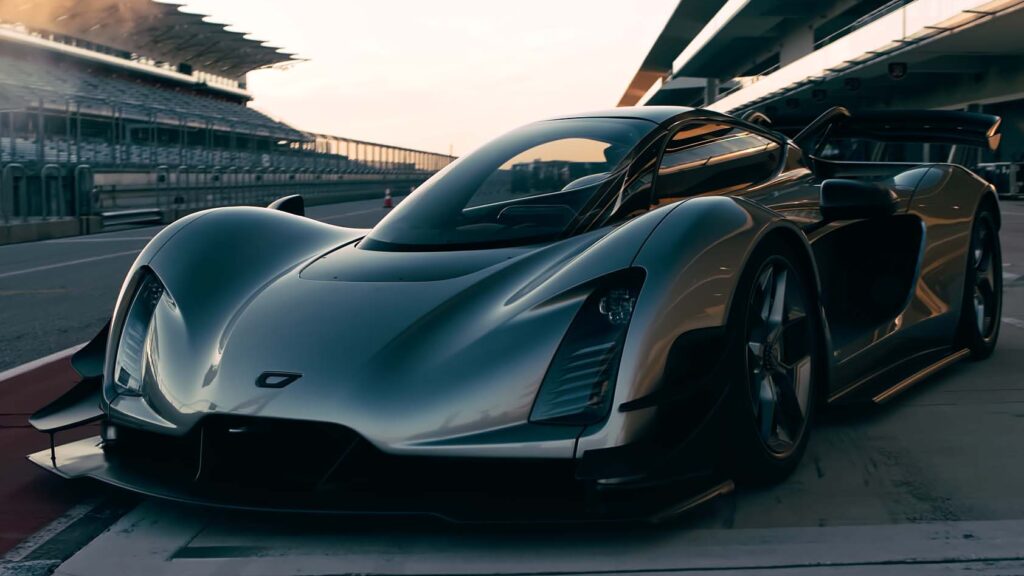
x=585 y=312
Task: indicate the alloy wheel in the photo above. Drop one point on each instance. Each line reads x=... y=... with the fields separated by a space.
x=986 y=296
x=780 y=355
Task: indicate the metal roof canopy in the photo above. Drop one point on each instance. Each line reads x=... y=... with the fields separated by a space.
x=686 y=22
x=155 y=30
x=757 y=27
x=685 y=91
x=978 y=63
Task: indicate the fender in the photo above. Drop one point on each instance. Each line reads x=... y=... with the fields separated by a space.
x=83 y=403
x=946 y=201
x=212 y=263
x=708 y=239
x=293 y=204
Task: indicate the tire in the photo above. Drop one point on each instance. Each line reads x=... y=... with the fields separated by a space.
x=776 y=346
x=982 y=306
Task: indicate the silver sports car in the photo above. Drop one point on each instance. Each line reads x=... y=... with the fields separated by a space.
x=600 y=307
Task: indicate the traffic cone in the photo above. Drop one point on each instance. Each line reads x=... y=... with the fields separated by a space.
x=388 y=202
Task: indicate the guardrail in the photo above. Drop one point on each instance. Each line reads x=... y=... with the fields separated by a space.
x=13 y=192
x=861 y=22
x=55 y=192
x=138 y=216
x=212 y=188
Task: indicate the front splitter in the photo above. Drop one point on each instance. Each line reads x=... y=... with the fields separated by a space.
x=87 y=459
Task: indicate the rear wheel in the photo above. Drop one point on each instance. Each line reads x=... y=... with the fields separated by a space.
x=983 y=288
x=774 y=400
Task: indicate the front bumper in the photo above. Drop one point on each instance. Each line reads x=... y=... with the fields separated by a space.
x=312 y=468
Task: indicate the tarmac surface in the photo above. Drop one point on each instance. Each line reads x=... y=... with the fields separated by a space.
x=59 y=293
x=932 y=482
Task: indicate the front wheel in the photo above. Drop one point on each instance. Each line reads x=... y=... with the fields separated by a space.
x=774 y=398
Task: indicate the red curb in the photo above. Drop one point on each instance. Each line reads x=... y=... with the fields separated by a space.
x=31 y=498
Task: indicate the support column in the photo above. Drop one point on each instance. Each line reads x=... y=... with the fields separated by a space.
x=711 y=91
x=797 y=44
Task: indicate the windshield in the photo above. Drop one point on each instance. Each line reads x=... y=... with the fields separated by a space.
x=530 y=185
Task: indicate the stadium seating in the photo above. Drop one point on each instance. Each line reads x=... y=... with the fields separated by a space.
x=27 y=81
x=27 y=84
x=148 y=111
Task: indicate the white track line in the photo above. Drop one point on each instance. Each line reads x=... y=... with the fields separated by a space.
x=336 y=216
x=1014 y=322
x=86 y=239
x=28 y=545
x=157 y=537
x=69 y=263
x=39 y=362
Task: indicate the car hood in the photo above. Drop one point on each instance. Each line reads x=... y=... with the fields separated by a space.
x=409 y=349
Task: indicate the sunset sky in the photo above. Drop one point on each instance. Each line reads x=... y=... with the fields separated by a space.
x=431 y=74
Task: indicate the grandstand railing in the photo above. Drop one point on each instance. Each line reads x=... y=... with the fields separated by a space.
x=190 y=192
x=56 y=193
x=48 y=161
x=48 y=174
x=315 y=151
x=141 y=156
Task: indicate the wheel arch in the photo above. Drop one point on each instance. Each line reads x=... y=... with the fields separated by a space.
x=683 y=400
x=695 y=259
x=991 y=200
x=727 y=232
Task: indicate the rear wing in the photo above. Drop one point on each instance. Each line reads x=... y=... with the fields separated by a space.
x=926 y=126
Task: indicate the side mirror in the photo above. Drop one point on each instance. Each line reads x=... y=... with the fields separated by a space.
x=293 y=204
x=843 y=199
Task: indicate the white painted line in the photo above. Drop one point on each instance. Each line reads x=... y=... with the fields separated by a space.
x=29 y=366
x=1014 y=322
x=36 y=540
x=161 y=532
x=336 y=216
x=77 y=240
x=29 y=568
x=1009 y=277
x=1011 y=213
x=69 y=263
x=163 y=538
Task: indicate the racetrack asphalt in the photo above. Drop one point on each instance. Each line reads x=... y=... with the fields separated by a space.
x=58 y=293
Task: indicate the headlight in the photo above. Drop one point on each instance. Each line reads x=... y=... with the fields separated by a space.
x=577 y=388
x=132 y=366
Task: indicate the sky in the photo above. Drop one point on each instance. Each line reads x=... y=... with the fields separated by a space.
x=441 y=74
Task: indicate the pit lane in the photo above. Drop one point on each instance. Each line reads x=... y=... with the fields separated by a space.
x=929 y=482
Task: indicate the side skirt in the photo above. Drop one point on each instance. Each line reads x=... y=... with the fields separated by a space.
x=672 y=512
x=889 y=382
x=920 y=375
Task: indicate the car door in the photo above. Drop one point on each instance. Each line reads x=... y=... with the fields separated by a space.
x=712 y=156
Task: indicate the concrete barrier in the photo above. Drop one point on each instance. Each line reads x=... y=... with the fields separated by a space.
x=32 y=230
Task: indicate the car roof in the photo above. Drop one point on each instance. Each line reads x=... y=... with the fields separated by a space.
x=657 y=114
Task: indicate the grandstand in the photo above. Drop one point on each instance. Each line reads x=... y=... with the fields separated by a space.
x=111 y=105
